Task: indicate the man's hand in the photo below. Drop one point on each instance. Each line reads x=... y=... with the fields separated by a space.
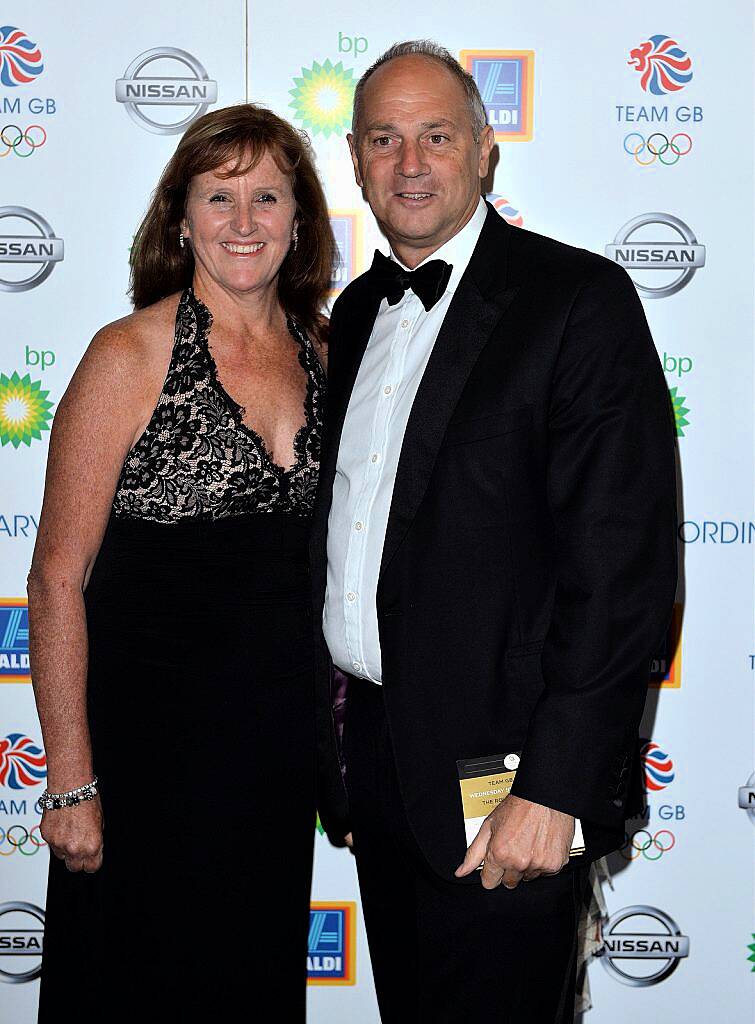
x=519 y=840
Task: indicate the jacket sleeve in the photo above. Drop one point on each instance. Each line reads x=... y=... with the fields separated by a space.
x=611 y=496
x=331 y=796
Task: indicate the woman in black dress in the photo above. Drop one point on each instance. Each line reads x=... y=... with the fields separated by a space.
x=169 y=600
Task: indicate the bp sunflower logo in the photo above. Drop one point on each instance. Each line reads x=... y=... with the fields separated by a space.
x=24 y=410
x=751 y=957
x=680 y=411
x=323 y=97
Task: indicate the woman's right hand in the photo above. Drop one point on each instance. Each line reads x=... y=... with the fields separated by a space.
x=74 y=835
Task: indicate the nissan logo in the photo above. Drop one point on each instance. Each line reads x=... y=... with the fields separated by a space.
x=642 y=945
x=747 y=797
x=137 y=91
x=43 y=249
x=21 y=934
x=685 y=256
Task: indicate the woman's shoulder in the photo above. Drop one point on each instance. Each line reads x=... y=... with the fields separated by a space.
x=129 y=354
x=141 y=333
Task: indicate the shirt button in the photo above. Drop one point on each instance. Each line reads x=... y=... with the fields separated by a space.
x=358 y=526
x=375 y=457
x=387 y=389
x=404 y=324
x=357 y=666
x=351 y=596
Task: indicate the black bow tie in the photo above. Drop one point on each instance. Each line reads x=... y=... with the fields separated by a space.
x=427 y=282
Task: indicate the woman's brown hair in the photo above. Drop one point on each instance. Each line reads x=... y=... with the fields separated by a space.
x=244 y=134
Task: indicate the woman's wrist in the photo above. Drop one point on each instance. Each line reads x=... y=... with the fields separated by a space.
x=50 y=801
x=63 y=779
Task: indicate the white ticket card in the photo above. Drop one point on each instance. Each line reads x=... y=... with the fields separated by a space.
x=485 y=782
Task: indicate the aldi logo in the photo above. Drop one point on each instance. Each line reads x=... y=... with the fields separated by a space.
x=666 y=667
x=331 y=956
x=346 y=232
x=14 y=640
x=505 y=79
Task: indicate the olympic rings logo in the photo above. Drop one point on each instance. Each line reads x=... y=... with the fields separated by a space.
x=18 y=837
x=650 y=847
x=22 y=143
x=657 y=147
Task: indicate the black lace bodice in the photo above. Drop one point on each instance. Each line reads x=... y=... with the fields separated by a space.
x=197 y=458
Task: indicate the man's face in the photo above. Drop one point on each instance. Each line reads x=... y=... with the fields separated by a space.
x=415 y=155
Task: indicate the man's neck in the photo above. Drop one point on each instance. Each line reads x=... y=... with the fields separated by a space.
x=411 y=255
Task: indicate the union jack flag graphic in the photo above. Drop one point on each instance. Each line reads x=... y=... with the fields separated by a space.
x=663 y=65
x=22 y=761
x=659 y=768
x=20 y=58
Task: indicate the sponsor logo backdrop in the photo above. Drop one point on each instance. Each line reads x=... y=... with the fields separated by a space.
x=630 y=146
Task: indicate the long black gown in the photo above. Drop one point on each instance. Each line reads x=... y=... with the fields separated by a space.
x=200 y=690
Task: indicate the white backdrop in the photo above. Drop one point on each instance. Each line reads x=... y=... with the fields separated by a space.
x=591 y=152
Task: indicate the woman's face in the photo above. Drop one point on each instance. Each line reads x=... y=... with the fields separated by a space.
x=240 y=228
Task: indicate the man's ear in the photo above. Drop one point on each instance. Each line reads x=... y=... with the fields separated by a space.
x=487 y=141
x=355 y=159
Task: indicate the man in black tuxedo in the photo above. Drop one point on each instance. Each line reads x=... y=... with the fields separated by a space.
x=494 y=562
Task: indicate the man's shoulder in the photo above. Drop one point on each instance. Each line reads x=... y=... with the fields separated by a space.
x=532 y=252
x=567 y=278
x=354 y=294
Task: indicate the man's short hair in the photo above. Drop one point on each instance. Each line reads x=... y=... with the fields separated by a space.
x=426 y=48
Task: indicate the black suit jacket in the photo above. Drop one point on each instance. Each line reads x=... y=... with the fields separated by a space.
x=529 y=567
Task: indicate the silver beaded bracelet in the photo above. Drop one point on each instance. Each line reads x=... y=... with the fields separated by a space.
x=54 y=801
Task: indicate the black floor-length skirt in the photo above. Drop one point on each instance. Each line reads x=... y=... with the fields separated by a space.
x=200 y=689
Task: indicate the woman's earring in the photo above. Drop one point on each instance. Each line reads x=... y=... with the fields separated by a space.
x=181 y=239
x=295 y=239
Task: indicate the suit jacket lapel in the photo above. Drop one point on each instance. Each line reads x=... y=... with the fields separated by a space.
x=477 y=306
x=353 y=332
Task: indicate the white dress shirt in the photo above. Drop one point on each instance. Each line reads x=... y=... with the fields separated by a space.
x=394 y=361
